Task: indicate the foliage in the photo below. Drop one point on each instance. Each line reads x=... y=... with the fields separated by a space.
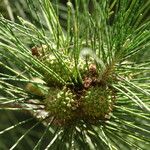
x=80 y=80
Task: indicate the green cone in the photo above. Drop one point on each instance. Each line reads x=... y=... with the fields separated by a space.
x=60 y=103
x=96 y=102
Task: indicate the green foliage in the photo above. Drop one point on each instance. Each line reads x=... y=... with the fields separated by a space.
x=81 y=78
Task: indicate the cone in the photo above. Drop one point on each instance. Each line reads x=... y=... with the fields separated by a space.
x=96 y=102
x=60 y=103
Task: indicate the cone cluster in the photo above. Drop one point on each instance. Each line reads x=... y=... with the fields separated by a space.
x=92 y=101
x=93 y=105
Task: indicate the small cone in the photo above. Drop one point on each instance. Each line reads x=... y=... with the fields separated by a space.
x=96 y=102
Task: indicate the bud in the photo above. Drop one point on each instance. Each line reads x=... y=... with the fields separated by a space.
x=33 y=88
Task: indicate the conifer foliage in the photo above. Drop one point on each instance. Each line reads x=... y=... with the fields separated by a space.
x=77 y=69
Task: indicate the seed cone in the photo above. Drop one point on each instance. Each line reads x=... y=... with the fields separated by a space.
x=59 y=69
x=64 y=67
x=96 y=103
x=60 y=103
